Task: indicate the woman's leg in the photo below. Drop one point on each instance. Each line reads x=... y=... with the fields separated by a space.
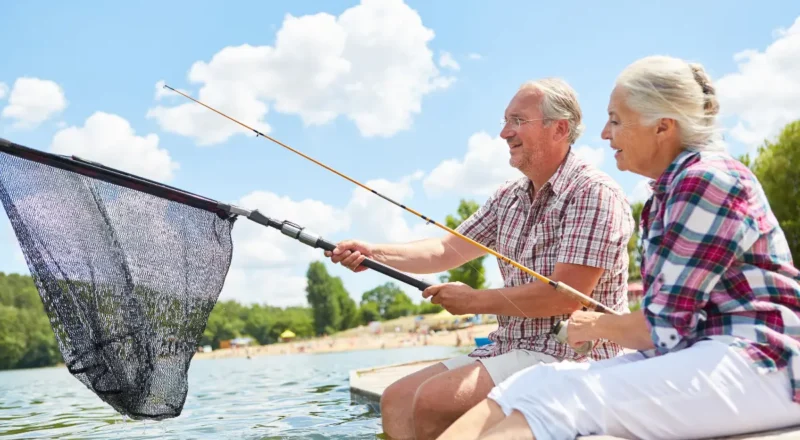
x=474 y=422
x=707 y=390
x=491 y=412
x=513 y=427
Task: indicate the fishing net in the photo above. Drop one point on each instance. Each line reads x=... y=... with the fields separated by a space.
x=127 y=277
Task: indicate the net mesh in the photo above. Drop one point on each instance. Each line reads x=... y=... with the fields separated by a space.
x=127 y=279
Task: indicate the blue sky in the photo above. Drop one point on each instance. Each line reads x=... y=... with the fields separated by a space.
x=386 y=94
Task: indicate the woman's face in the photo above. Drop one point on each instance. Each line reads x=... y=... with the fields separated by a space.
x=636 y=145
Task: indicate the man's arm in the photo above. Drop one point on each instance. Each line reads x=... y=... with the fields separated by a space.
x=595 y=232
x=539 y=299
x=431 y=255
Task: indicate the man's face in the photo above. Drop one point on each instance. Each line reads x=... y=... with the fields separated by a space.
x=524 y=131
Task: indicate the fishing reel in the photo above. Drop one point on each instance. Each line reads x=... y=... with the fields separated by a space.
x=560 y=333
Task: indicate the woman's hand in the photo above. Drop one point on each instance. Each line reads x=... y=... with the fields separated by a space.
x=582 y=326
x=629 y=330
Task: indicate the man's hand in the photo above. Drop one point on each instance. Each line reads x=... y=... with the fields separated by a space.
x=350 y=254
x=582 y=327
x=457 y=298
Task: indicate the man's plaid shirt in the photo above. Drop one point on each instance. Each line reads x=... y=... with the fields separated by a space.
x=580 y=216
x=718 y=266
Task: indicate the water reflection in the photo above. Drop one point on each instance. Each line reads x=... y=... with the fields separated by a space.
x=271 y=397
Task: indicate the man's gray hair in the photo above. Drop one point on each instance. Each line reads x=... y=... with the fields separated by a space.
x=559 y=101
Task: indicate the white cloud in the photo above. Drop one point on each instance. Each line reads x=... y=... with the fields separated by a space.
x=32 y=101
x=264 y=259
x=764 y=93
x=371 y=64
x=446 y=60
x=594 y=156
x=641 y=191
x=269 y=267
x=377 y=220
x=474 y=56
x=110 y=140
x=276 y=287
x=484 y=167
x=261 y=246
x=3 y=90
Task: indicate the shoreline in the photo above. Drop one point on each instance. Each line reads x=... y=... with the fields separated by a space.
x=356 y=342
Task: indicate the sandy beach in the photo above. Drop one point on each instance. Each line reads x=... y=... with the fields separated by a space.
x=359 y=339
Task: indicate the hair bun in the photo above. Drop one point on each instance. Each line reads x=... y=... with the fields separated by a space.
x=711 y=105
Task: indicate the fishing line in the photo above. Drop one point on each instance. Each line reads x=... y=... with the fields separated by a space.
x=585 y=300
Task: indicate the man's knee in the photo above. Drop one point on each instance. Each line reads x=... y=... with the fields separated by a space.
x=454 y=391
x=397 y=393
x=401 y=392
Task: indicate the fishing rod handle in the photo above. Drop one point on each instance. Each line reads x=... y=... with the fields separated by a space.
x=382 y=268
x=587 y=302
x=560 y=329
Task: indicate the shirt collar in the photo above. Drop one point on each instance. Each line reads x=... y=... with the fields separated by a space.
x=557 y=182
x=660 y=185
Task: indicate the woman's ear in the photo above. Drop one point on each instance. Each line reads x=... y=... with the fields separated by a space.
x=666 y=126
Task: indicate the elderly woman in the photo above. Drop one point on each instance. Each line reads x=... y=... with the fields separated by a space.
x=716 y=344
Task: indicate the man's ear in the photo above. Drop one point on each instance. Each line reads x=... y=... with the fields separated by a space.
x=562 y=129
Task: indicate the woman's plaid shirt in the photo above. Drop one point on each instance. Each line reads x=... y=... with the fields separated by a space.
x=717 y=265
x=580 y=216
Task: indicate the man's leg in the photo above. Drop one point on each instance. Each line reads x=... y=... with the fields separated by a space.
x=441 y=400
x=398 y=398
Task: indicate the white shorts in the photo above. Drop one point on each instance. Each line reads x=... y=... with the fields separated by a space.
x=706 y=390
x=501 y=367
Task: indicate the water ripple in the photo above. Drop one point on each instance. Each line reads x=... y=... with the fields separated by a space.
x=269 y=397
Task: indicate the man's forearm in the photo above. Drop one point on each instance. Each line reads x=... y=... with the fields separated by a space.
x=532 y=300
x=423 y=256
x=432 y=255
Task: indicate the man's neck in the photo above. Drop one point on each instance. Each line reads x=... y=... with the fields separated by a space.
x=541 y=174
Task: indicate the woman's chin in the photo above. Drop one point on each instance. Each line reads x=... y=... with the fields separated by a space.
x=620 y=163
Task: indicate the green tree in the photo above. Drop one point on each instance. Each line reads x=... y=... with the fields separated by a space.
x=401 y=305
x=777 y=167
x=471 y=273
x=369 y=312
x=333 y=309
x=381 y=296
x=389 y=301
x=427 y=307
x=347 y=307
x=635 y=244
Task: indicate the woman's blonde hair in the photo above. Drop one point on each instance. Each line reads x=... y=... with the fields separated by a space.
x=667 y=87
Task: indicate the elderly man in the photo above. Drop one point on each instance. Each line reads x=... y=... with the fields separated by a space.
x=564 y=219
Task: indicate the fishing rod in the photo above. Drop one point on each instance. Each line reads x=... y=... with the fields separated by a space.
x=559 y=329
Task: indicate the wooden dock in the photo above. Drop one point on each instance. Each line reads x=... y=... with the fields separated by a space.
x=367 y=386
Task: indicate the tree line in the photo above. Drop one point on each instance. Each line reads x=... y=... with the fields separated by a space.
x=27 y=340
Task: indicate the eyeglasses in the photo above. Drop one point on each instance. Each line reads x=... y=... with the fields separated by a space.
x=516 y=122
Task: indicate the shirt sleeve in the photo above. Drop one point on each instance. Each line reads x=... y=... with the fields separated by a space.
x=481 y=226
x=705 y=229
x=597 y=226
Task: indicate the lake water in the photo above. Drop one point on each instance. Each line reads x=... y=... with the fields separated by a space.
x=269 y=397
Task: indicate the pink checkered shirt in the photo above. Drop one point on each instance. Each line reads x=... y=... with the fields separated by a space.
x=580 y=216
